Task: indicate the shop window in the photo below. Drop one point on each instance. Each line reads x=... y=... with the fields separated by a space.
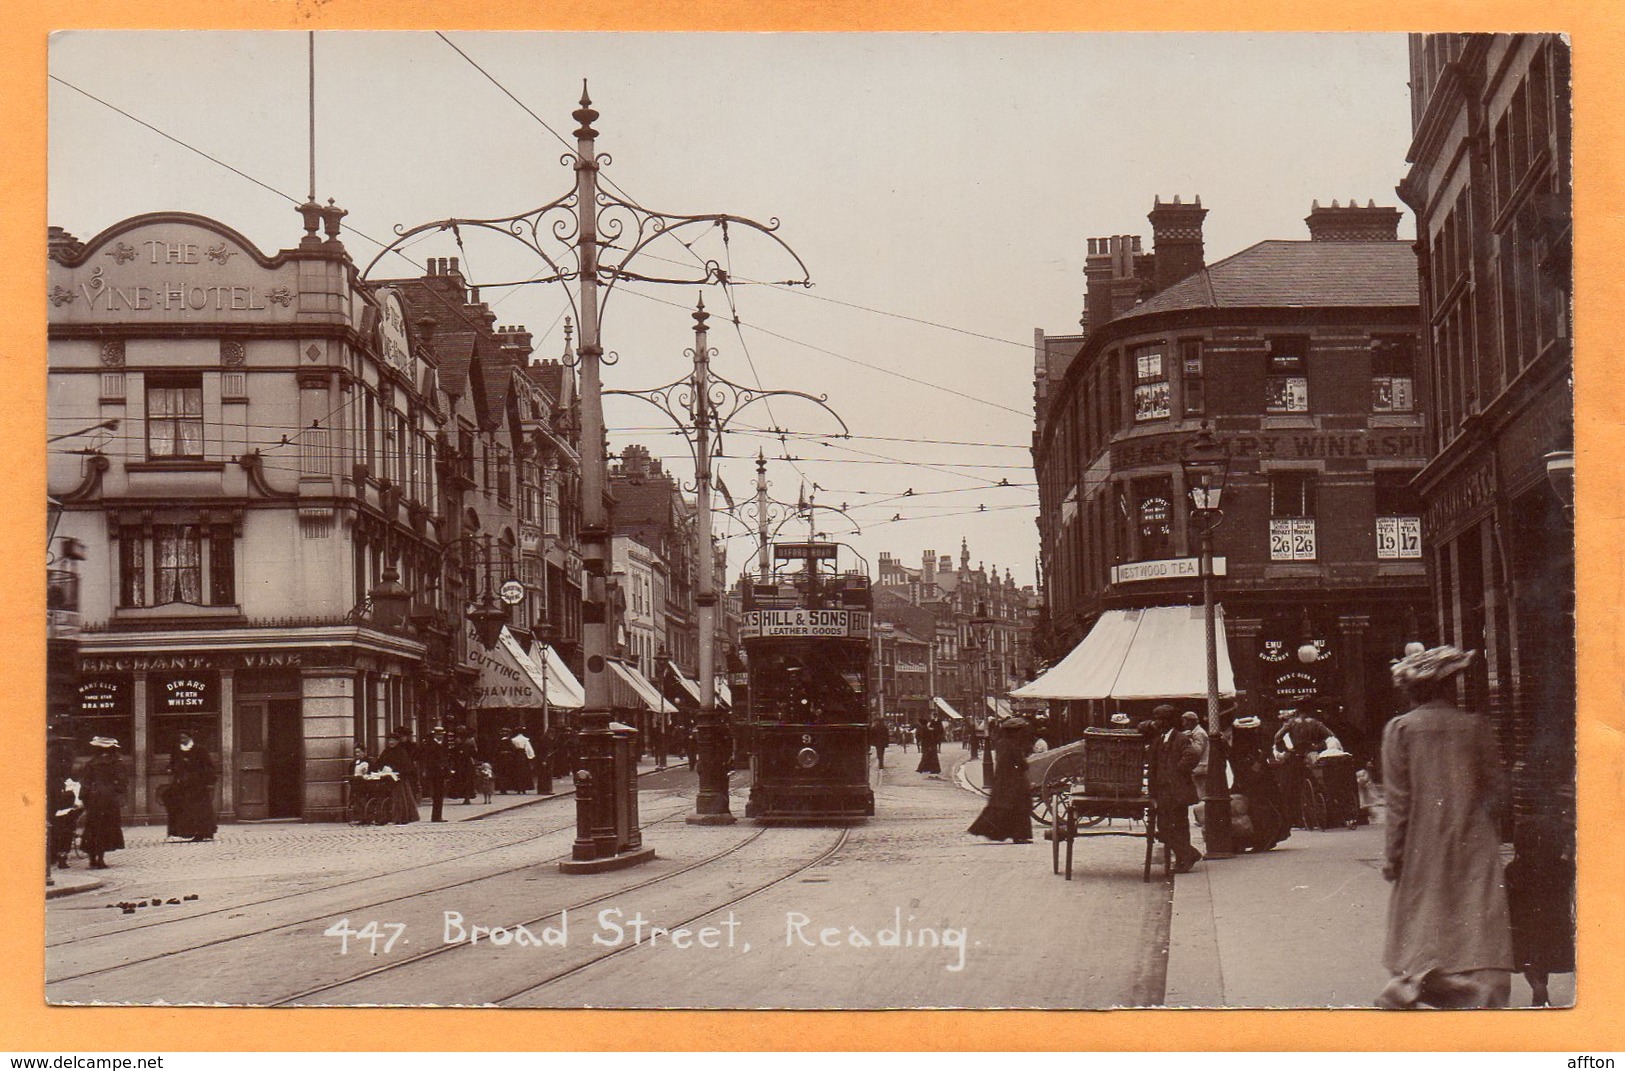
x=1292 y=517
x=1150 y=383
x=132 y=568
x=1286 y=387
x=175 y=416
x=1154 y=513
x=1398 y=516
x=1190 y=360
x=1393 y=371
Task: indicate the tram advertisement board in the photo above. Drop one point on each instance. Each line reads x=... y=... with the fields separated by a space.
x=755 y=624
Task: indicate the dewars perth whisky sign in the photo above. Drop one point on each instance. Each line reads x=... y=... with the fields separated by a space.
x=171 y=271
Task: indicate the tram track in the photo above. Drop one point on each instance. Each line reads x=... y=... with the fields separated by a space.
x=559 y=976
x=292 y=923
x=303 y=996
x=75 y=939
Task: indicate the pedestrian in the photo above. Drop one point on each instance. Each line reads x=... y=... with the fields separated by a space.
x=1449 y=942
x=103 y=793
x=878 y=734
x=929 y=736
x=1262 y=823
x=463 y=761
x=1174 y=755
x=398 y=761
x=65 y=820
x=1008 y=814
x=523 y=756
x=541 y=763
x=1540 y=899
x=189 y=796
x=434 y=762
x=1191 y=725
x=1298 y=739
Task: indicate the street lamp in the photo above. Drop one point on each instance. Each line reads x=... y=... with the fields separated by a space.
x=662 y=675
x=982 y=628
x=1206 y=466
x=390 y=600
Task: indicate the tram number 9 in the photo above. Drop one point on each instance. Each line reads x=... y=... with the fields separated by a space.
x=806 y=738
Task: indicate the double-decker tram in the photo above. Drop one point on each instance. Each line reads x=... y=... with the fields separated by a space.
x=806 y=633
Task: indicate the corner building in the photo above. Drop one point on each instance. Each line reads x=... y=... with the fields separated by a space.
x=1300 y=356
x=245 y=509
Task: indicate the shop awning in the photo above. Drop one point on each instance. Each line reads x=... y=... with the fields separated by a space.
x=510 y=678
x=635 y=690
x=688 y=684
x=563 y=690
x=1155 y=653
x=942 y=705
x=725 y=695
x=999 y=708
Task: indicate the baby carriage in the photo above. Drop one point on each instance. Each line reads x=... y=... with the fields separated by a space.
x=1331 y=794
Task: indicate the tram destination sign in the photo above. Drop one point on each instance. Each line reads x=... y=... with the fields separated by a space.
x=756 y=624
x=804 y=550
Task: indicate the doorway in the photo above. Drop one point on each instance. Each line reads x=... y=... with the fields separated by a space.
x=270 y=757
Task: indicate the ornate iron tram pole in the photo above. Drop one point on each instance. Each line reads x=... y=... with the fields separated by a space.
x=709 y=402
x=573 y=235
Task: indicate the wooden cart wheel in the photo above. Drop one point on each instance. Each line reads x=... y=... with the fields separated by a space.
x=1314 y=805
x=1057 y=810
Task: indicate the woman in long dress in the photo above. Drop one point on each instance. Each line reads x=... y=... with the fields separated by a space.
x=1265 y=824
x=190 y=798
x=1008 y=814
x=930 y=742
x=103 y=793
x=1449 y=933
x=398 y=759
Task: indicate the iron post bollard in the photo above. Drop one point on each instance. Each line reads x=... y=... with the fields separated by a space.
x=583 y=848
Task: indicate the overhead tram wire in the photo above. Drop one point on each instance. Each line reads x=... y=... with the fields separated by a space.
x=851 y=360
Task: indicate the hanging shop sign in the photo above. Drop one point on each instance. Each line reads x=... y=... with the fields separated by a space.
x=755 y=624
x=392 y=341
x=512 y=592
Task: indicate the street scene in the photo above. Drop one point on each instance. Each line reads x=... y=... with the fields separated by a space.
x=794 y=586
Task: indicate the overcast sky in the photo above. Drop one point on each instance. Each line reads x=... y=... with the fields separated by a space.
x=947 y=181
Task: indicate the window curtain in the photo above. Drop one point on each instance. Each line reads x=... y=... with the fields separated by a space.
x=178 y=555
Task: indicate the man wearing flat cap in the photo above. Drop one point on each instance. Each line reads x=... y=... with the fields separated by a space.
x=1174 y=759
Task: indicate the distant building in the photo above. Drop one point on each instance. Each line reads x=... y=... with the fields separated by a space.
x=1490 y=182
x=1300 y=355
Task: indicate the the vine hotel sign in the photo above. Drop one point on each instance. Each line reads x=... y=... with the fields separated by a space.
x=171 y=271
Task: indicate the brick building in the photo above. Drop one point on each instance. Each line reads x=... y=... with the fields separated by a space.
x=1300 y=357
x=1490 y=183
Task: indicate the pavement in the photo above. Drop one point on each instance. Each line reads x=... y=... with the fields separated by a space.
x=1299 y=926
x=240 y=840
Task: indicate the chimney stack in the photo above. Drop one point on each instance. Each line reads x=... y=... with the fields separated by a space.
x=1351 y=223
x=1176 y=240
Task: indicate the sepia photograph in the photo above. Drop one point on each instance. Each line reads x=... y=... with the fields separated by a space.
x=843 y=521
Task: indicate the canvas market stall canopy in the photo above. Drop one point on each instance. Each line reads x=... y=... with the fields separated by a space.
x=1154 y=653
x=946 y=708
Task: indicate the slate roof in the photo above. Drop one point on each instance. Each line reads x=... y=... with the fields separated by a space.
x=1286 y=274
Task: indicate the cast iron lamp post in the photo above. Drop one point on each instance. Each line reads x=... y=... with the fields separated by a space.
x=1206 y=465
x=662 y=676
x=982 y=629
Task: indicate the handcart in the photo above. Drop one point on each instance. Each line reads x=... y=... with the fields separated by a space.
x=1116 y=783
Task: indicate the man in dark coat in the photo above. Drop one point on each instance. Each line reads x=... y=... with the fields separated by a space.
x=1298 y=740
x=879 y=736
x=1174 y=759
x=434 y=764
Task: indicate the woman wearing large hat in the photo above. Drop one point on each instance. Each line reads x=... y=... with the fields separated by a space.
x=1449 y=934
x=103 y=778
